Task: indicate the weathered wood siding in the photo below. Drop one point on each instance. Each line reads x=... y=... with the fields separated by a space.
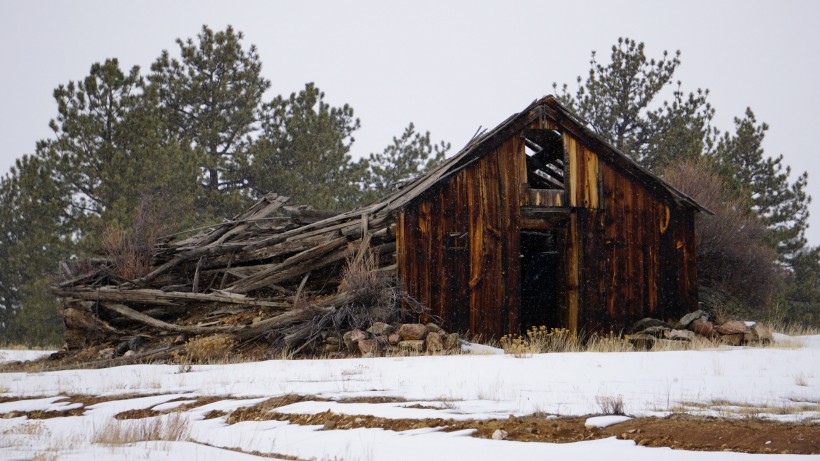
x=459 y=244
x=628 y=249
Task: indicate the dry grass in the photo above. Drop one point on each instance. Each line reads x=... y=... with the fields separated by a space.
x=208 y=349
x=540 y=340
x=611 y=404
x=171 y=428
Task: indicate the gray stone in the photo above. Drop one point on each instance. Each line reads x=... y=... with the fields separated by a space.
x=762 y=333
x=680 y=335
x=434 y=343
x=368 y=346
x=500 y=434
x=380 y=329
x=347 y=338
x=412 y=331
x=647 y=323
x=691 y=317
x=656 y=331
x=129 y=353
x=357 y=335
x=451 y=342
x=435 y=329
x=411 y=346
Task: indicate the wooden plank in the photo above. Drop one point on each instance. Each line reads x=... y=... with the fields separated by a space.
x=544 y=197
x=571 y=168
x=475 y=194
x=591 y=179
x=511 y=220
x=573 y=281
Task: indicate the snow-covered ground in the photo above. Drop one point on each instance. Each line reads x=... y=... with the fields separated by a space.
x=777 y=381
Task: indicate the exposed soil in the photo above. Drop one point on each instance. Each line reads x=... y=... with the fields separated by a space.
x=678 y=431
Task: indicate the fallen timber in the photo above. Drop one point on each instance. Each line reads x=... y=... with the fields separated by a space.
x=273 y=275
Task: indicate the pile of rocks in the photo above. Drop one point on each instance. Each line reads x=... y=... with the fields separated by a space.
x=404 y=338
x=648 y=332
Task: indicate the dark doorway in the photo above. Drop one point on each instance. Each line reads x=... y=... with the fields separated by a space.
x=541 y=279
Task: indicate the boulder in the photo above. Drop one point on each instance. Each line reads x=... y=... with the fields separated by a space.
x=703 y=327
x=733 y=339
x=106 y=353
x=762 y=333
x=656 y=331
x=680 y=335
x=733 y=327
x=368 y=347
x=332 y=340
x=411 y=346
x=451 y=342
x=331 y=348
x=500 y=434
x=641 y=341
x=412 y=331
x=380 y=329
x=434 y=343
x=358 y=335
x=691 y=317
x=648 y=322
x=393 y=339
x=435 y=329
x=347 y=338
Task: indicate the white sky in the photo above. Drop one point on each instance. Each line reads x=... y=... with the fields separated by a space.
x=447 y=66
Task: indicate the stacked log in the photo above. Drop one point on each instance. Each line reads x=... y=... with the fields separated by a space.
x=274 y=274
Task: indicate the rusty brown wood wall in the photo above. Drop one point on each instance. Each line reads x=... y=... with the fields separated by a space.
x=459 y=245
x=628 y=252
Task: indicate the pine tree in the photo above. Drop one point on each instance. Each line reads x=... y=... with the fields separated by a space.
x=619 y=101
x=406 y=157
x=303 y=152
x=764 y=182
x=211 y=98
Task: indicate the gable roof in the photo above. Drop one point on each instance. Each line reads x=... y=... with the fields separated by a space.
x=550 y=108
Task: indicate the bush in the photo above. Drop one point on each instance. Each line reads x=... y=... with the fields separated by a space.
x=738 y=273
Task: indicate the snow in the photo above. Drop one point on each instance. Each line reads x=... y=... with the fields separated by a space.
x=8 y=355
x=777 y=381
x=605 y=421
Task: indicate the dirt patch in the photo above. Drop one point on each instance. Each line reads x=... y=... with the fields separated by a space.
x=678 y=431
x=745 y=435
x=382 y=399
x=44 y=414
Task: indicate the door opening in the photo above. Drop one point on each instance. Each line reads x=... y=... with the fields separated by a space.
x=541 y=279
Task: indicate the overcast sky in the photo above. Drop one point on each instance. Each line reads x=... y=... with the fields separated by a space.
x=449 y=67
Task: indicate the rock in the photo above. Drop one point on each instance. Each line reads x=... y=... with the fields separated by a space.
x=451 y=342
x=411 y=346
x=331 y=348
x=121 y=349
x=106 y=353
x=136 y=343
x=347 y=338
x=500 y=434
x=368 y=346
x=762 y=333
x=432 y=327
x=648 y=322
x=733 y=339
x=657 y=331
x=680 y=335
x=357 y=335
x=733 y=327
x=691 y=317
x=329 y=426
x=393 y=339
x=434 y=343
x=703 y=327
x=129 y=353
x=380 y=329
x=412 y=331
x=332 y=340
x=641 y=341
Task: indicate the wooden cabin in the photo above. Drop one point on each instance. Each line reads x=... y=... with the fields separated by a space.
x=542 y=222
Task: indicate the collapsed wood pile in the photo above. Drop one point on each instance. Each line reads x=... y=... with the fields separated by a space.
x=276 y=275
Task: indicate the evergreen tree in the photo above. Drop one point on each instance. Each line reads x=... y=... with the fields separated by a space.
x=619 y=101
x=764 y=182
x=406 y=157
x=211 y=98
x=303 y=152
